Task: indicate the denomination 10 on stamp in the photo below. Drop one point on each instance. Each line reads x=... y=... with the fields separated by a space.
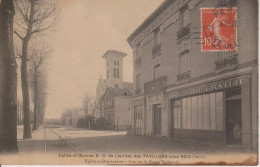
x=218 y=29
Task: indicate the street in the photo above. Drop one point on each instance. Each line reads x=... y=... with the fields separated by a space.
x=77 y=140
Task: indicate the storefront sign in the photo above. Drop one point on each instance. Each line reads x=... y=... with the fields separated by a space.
x=219 y=85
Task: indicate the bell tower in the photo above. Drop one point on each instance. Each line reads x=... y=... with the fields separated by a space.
x=114 y=68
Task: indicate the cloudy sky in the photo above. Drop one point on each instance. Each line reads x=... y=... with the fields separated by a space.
x=86 y=29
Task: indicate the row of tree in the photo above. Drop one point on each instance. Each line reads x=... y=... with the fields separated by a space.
x=85 y=116
x=86 y=111
x=30 y=21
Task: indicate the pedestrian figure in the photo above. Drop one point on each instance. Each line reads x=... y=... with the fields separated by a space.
x=237 y=133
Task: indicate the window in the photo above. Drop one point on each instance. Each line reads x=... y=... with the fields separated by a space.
x=184 y=113
x=156 y=71
x=107 y=73
x=183 y=62
x=184 y=17
x=219 y=111
x=116 y=85
x=203 y=112
x=177 y=114
x=107 y=63
x=200 y=113
x=194 y=114
x=212 y=110
x=114 y=62
x=117 y=71
x=188 y=108
x=156 y=37
x=205 y=109
x=117 y=63
x=114 y=72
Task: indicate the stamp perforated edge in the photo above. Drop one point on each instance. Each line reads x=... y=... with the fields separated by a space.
x=205 y=51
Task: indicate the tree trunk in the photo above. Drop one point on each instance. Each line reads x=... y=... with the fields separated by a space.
x=35 y=120
x=39 y=116
x=27 y=132
x=8 y=80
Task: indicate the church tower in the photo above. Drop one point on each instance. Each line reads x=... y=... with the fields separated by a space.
x=114 y=68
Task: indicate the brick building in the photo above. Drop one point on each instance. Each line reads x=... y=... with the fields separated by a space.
x=184 y=92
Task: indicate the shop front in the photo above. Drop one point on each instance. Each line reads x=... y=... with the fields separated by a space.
x=216 y=112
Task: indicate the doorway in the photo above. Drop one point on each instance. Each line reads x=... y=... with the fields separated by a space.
x=233 y=122
x=157 y=119
x=138 y=119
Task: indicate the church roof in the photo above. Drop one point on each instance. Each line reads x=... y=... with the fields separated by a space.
x=118 y=92
x=114 y=51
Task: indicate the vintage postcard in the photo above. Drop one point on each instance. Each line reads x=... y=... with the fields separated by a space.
x=129 y=82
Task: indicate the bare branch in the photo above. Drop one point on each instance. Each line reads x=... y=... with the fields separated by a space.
x=18 y=35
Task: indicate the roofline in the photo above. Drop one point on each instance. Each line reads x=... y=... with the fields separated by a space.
x=115 y=51
x=149 y=19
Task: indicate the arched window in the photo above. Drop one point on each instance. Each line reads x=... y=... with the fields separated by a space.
x=117 y=73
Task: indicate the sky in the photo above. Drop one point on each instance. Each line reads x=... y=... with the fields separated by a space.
x=85 y=30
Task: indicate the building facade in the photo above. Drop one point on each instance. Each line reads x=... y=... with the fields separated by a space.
x=187 y=91
x=113 y=94
x=115 y=107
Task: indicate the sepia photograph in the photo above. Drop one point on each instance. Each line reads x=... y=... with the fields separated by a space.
x=129 y=82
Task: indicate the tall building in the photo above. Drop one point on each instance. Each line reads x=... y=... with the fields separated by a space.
x=196 y=72
x=114 y=68
x=113 y=94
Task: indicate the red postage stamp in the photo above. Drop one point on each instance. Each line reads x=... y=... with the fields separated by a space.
x=218 y=29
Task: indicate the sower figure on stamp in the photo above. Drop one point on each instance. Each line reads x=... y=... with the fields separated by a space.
x=219 y=20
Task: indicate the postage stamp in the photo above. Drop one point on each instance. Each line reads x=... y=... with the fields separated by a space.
x=218 y=29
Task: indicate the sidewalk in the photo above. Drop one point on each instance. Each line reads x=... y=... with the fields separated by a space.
x=35 y=144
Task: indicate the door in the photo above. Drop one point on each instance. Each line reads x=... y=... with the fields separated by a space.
x=233 y=122
x=157 y=119
x=138 y=117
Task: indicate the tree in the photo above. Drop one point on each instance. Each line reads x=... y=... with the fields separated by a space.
x=8 y=78
x=38 y=81
x=35 y=17
x=65 y=114
x=88 y=105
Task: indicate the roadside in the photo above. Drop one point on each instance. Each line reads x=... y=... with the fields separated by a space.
x=35 y=144
x=91 y=141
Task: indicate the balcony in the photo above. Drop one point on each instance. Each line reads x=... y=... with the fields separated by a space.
x=226 y=62
x=156 y=50
x=155 y=85
x=138 y=61
x=183 y=32
x=138 y=91
x=183 y=76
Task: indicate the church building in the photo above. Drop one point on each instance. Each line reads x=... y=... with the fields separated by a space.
x=112 y=94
